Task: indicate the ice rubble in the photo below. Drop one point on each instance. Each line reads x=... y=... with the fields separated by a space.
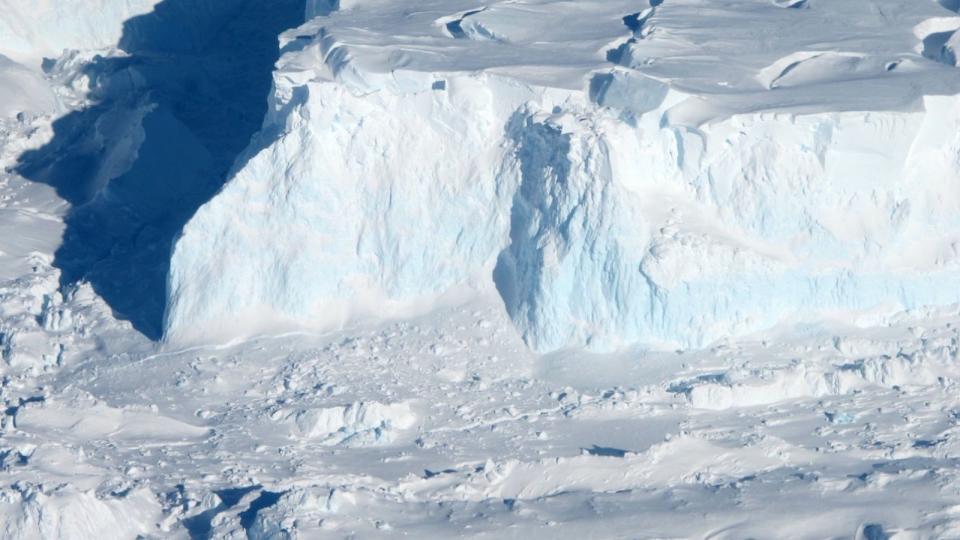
x=625 y=177
x=66 y=512
x=362 y=423
x=742 y=387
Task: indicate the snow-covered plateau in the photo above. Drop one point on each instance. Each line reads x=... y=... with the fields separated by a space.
x=479 y=269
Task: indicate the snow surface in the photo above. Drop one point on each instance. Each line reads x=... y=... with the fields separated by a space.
x=31 y=30
x=667 y=177
x=732 y=221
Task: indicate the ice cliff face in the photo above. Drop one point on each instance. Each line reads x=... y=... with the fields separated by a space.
x=357 y=235
x=676 y=236
x=624 y=177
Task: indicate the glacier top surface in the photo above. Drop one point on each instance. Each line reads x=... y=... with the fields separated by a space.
x=735 y=55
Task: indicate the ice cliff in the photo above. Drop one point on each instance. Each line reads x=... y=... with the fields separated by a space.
x=666 y=176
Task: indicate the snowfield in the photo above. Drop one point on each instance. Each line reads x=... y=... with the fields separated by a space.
x=485 y=269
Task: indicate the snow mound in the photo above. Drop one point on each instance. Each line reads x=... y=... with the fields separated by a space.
x=680 y=460
x=362 y=423
x=28 y=512
x=85 y=419
x=649 y=202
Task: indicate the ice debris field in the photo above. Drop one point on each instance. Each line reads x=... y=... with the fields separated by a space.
x=636 y=269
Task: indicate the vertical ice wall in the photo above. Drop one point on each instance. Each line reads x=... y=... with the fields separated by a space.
x=601 y=213
x=383 y=201
x=692 y=235
x=606 y=233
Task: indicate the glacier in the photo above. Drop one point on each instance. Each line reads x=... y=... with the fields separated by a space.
x=611 y=200
x=387 y=224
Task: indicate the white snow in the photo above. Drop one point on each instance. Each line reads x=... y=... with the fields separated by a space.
x=22 y=91
x=82 y=418
x=31 y=30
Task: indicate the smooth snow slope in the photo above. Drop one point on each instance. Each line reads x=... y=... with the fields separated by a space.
x=25 y=27
x=23 y=91
x=664 y=174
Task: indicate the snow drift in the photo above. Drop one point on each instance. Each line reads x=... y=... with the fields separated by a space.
x=614 y=199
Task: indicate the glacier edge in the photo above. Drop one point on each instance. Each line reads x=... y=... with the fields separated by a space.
x=600 y=221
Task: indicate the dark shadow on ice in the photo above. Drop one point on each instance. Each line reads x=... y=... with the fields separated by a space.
x=265 y=500
x=200 y=526
x=166 y=126
x=952 y=5
x=874 y=531
x=605 y=451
